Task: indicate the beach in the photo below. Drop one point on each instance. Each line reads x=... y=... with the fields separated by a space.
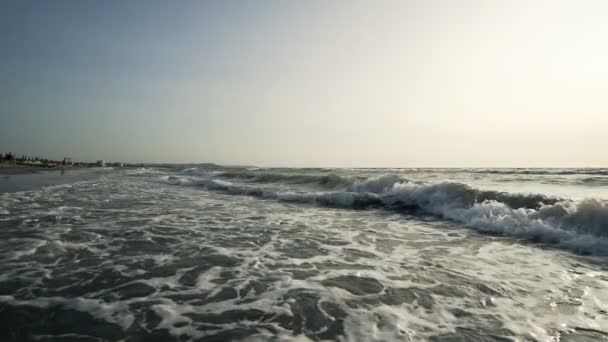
x=14 y=169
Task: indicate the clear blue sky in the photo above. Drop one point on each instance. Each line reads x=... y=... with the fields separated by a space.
x=307 y=83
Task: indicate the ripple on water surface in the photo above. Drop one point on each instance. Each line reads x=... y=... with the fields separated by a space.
x=125 y=257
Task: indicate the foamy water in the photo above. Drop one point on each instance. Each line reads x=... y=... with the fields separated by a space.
x=208 y=253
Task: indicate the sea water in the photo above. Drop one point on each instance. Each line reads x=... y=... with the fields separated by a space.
x=212 y=253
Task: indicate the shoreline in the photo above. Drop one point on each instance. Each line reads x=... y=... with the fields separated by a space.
x=15 y=178
x=19 y=169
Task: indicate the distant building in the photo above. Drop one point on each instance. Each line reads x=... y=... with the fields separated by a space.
x=101 y=163
x=68 y=161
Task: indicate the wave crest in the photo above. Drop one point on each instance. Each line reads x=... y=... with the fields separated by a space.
x=581 y=227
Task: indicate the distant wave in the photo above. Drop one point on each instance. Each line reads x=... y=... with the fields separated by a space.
x=327 y=181
x=598 y=172
x=592 y=181
x=581 y=227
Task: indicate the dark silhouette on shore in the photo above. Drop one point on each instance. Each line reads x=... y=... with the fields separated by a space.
x=8 y=157
x=11 y=160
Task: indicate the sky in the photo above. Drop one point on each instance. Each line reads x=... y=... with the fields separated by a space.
x=429 y=83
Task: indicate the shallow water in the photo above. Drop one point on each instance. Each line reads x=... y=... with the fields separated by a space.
x=205 y=253
x=44 y=178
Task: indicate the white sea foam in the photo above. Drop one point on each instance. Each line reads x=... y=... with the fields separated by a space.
x=578 y=226
x=160 y=257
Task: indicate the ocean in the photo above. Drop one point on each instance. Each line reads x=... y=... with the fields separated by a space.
x=215 y=253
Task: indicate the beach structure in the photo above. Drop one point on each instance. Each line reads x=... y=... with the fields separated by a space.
x=101 y=163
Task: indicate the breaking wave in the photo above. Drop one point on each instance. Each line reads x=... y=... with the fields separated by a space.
x=581 y=227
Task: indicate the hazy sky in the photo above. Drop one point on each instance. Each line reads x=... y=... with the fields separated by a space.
x=307 y=83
